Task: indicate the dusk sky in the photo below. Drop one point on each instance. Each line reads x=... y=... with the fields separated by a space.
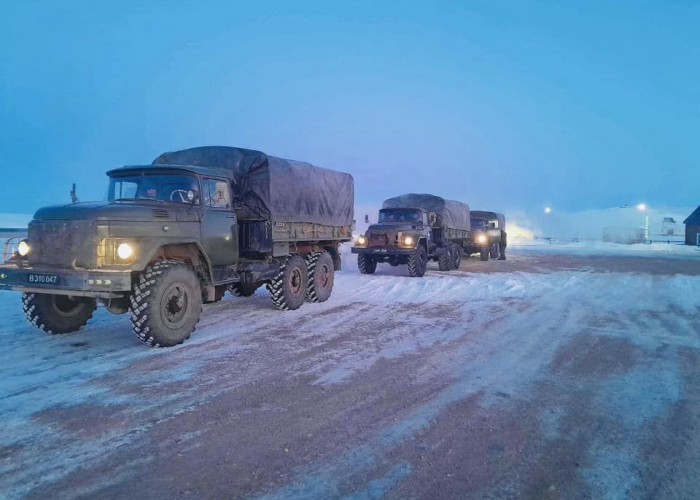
x=503 y=105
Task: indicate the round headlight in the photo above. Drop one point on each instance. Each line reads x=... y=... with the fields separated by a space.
x=124 y=251
x=361 y=240
x=408 y=240
x=23 y=248
x=481 y=239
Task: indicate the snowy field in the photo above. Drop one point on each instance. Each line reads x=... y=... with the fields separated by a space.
x=566 y=371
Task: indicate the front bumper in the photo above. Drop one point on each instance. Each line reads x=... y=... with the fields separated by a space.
x=100 y=284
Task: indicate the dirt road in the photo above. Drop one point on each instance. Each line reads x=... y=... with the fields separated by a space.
x=546 y=376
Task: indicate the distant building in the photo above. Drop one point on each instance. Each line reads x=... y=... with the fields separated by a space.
x=692 y=228
x=668 y=227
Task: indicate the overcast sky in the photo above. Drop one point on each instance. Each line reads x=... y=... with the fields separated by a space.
x=504 y=105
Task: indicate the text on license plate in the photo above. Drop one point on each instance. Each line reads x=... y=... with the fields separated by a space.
x=43 y=279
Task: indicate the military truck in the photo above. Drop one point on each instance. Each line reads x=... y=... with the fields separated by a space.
x=180 y=232
x=413 y=229
x=489 y=238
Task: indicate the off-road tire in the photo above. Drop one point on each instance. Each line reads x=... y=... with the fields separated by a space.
x=166 y=303
x=456 y=256
x=288 y=287
x=417 y=263
x=495 y=251
x=502 y=251
x=321 y=276
x=366 y=264
x=57 y=314
x=243 y=289
x=484 y=255
x=445 y=261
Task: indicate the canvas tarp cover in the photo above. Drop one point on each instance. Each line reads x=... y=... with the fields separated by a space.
x=453 y=214
x=481 y=214
x=274 y=188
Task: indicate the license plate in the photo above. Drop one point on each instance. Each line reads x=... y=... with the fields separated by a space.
x=42 y=279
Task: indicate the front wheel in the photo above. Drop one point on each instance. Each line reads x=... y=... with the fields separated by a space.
x=57 y=314
x=417 y=263
x=366 y=264
x=484 y=254
x=445 y=261
x=166 y=304
x=321 y=276
x=457 y=256
x=288 y=288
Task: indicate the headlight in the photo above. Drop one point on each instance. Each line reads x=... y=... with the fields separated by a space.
x=408 y=241
x=361 y=241
x=481 y=239
x=23 y=248
x=124 y=251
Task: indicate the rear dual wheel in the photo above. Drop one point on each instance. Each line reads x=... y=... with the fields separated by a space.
x=321 y=270
x=288 y=288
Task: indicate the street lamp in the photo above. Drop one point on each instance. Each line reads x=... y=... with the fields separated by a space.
x=642 y=207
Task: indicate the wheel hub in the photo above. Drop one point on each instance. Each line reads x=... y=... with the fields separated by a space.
x=174 y=305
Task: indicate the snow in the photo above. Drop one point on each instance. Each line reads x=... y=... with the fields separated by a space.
x=518 y=322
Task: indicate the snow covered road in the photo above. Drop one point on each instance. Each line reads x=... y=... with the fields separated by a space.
x=559 y=375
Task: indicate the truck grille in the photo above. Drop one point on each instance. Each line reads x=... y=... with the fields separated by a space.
x=63 y=244
x=382 y=239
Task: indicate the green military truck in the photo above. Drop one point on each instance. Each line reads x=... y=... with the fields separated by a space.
x=489 y=238
x=413 y=229
x=180 y=232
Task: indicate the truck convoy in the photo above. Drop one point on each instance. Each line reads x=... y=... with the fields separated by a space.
x=413 y=229
x=489 y=238
x=181 y=232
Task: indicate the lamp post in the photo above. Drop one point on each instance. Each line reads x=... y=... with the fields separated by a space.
x=642 y=207
x=548 y=212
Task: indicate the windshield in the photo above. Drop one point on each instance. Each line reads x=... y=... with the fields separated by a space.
x=399 y=215
x=167 y=188
x=479 y=224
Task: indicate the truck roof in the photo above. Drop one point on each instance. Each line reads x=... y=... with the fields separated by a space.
x=272 y=188
x=454 y=214
x=483 y=214
x=195 y=169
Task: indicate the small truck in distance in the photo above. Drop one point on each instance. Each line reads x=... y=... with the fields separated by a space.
x=413 y=229
x=489 y=238
x=180 y=232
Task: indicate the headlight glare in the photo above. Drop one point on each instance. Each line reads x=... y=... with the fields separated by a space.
x=23 y=248
x=124 y=251
x=408 y=241
x=481 y=239
x=361 y=241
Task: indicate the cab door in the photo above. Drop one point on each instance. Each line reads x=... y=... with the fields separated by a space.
x=218 y=223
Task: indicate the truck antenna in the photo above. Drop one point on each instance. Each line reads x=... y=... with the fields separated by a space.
x=73 y=196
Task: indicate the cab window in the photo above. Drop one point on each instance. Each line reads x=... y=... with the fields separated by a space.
x=216 y=194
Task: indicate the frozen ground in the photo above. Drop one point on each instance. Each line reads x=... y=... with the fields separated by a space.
x=564 y=372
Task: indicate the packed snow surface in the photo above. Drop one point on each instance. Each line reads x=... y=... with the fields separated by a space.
x=72 y=403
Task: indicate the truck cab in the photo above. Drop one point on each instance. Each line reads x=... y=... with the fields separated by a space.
x=489 y=238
